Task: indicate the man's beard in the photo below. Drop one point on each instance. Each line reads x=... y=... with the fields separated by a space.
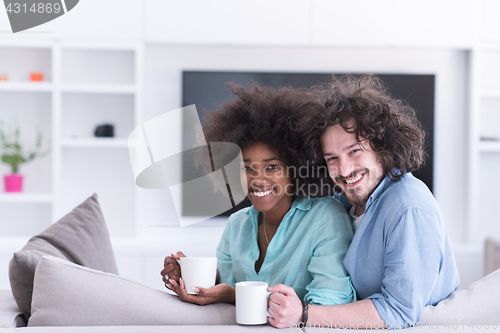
x=357 y=199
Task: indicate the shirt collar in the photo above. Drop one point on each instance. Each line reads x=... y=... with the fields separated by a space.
x=381 y=188
x=301 y=202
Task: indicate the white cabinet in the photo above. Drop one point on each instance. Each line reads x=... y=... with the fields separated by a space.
x=486 y=143
x=85 y=85
x=484 y=129
x=29 y=105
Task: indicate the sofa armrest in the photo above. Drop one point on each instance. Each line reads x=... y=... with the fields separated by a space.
x=491 y=255
x=10 y=315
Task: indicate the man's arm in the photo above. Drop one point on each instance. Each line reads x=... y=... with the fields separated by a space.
x=357 y=315
x=285 y=310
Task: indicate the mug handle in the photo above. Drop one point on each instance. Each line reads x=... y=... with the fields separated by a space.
x=268 y=295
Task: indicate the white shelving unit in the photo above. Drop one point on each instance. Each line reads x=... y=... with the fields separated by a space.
x=484 y=130
x=84 y=85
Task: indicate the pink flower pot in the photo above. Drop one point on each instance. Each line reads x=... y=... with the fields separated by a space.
x=13 y=183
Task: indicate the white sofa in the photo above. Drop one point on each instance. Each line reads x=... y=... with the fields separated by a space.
x=65 y=280
x=12 y=321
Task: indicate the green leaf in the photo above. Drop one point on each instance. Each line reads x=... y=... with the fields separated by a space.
x=11 y=149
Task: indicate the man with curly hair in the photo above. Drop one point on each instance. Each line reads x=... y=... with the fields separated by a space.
x=400 y=259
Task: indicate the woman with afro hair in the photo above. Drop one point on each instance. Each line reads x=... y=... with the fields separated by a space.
x=285 y=237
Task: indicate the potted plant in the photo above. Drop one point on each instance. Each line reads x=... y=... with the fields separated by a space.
x=12 y=153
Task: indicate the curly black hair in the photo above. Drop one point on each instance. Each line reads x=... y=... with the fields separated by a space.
x=389 y=125
x=261 y=114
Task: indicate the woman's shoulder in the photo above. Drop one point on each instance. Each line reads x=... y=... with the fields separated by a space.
x=328 y=204
x=328 y=215
x=242 y=215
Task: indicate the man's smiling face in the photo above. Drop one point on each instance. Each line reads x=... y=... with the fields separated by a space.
x=352 y=165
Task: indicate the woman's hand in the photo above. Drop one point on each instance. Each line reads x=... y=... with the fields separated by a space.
x=171 y=268
x=221 y=293
x=285 y=306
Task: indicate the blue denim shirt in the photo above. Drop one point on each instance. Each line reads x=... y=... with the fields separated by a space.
x=400 y=255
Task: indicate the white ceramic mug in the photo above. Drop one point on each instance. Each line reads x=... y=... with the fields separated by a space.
x=198 y=272
x=251 y=302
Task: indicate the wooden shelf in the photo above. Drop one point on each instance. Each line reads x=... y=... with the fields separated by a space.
x=99 y=88
x=28 y=86
x=495 y=93
x=489 y=147
x=26 y=198
x=95 y=143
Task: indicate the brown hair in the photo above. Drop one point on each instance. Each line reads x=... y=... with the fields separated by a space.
x=261 y=114
x=389 y=125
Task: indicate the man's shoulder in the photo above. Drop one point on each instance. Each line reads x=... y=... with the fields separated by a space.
x=400 y=197
x=408 y=204
x=408 y=191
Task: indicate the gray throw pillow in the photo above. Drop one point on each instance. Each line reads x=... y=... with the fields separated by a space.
x=477 y=303
x=66 y=294
x=80 y=237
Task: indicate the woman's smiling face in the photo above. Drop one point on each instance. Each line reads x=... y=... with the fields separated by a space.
x=270 y=189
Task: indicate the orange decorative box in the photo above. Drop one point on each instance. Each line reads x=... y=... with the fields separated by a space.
x=36 y=76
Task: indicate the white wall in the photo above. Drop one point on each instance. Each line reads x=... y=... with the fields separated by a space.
x=311 y=22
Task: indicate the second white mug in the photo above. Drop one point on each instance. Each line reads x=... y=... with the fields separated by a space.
x=251 y=302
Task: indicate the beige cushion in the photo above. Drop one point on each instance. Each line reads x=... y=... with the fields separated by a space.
x=81 y=237
x=479 y=302
x=66 y=294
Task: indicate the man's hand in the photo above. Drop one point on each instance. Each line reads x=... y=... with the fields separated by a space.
x=171 y=268
x=285 y=306
x=221 y=293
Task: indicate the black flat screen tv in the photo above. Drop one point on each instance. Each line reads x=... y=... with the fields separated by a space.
x=208 y=89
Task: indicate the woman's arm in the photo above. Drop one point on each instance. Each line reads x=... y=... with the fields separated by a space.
x=221 y=293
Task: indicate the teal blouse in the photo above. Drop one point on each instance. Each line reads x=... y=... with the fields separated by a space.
x=306 y=253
